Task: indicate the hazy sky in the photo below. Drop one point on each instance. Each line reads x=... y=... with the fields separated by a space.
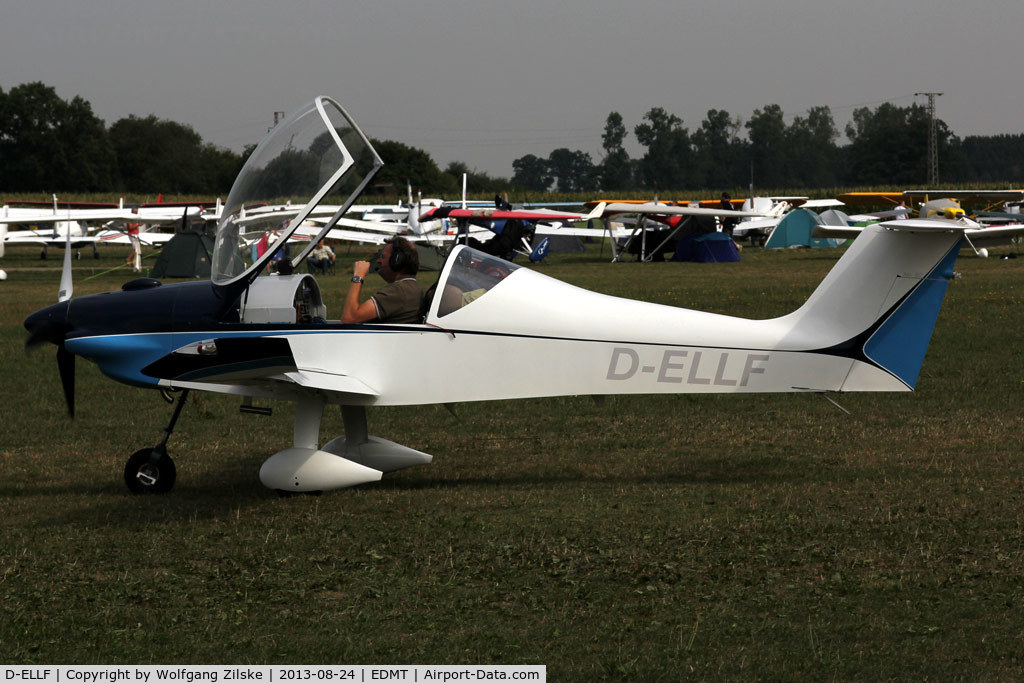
x=486 y=82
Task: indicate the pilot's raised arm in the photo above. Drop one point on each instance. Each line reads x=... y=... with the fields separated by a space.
x=399 y=300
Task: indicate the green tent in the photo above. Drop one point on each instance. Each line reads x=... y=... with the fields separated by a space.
x=187 y=254
x=795 y=230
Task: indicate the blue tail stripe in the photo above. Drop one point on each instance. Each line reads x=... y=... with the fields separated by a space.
x=900 y=343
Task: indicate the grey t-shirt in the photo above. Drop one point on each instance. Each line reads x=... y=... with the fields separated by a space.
x=399 y=301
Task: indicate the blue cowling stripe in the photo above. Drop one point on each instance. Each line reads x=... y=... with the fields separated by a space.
x=899 y=343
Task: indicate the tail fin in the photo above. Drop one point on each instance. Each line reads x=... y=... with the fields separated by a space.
x=541 y=250
x=880 y=302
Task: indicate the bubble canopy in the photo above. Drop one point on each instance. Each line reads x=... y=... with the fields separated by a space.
x=316 y=159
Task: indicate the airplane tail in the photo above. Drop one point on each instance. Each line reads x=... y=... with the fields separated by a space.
x=541 y=250
x=879 y=304
x=413 y=218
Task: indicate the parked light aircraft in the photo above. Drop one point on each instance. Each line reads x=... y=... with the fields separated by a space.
x=76 y=223
x=865 y=328
x=976 y=236
x=674 y=218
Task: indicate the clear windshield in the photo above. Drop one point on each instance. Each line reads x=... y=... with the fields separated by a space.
x=316 y=159
x=472 y=274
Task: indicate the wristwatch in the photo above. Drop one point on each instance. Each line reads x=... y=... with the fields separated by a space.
x=356 y=279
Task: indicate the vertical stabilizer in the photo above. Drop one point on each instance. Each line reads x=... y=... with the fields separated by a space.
x=880 y=302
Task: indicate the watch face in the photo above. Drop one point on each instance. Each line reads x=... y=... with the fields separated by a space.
x=356 y=278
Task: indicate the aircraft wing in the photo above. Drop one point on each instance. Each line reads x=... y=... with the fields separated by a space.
x=843 y=232
x=1000 y=195
x=50 y=241
x=120 y=237
x=565 y=231
x=308 y=232
x=143 y=215
x=870 y=198
x=373 y=226
x=355 y=236
x=821 y=203
x=756 y=226
x=996 y=235
x=976 y=236
x=651 y=208
x=491 y=214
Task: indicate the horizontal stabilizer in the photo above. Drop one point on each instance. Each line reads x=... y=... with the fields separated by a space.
x=977 y=236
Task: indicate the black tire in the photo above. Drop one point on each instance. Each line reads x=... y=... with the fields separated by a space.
x=149 y=470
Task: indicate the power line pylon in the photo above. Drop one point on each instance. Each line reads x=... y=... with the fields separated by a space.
x=933 y=147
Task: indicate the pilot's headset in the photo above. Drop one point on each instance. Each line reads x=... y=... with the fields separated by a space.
x=396 y=263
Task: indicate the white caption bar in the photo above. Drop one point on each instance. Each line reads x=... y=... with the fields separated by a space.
x=267 y=674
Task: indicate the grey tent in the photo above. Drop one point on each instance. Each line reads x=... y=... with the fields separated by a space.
x=835 y=217
x=187 y=254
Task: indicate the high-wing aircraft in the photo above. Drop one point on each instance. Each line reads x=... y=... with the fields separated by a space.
x=865 y=328
x=122 y=225
x=976 y=236
x=673 y=219
x=508 y=230
x=905 y=200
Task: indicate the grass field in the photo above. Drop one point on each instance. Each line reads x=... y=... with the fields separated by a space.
x=649 y=538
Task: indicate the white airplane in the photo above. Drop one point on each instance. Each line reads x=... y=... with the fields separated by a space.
x=941 y=212
x=865 y=328
x=76 y=223
x=674 y=219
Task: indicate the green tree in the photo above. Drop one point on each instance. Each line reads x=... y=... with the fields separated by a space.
x=813 y=154
x=993 y=158
x=890 y=146
x=476 y=181
x=615 y=171
x=666 y=164
x=404 y=162
x=769 y=152
x=531 y=173
x=158 y=155
x=717 y=150
x=573 y=170
x=47 y=144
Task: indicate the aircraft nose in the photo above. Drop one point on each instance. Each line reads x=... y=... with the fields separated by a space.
x=48 y=324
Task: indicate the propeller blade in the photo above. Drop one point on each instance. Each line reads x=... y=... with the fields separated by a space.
x=66 y=286
x=66 y=365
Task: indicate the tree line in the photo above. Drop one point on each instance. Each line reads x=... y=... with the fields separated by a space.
x=48 y=144
x=887 y=146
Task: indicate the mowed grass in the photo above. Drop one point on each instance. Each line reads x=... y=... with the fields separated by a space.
x=648 y=538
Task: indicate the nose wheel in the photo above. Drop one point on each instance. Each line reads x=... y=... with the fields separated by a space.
x=151 y=470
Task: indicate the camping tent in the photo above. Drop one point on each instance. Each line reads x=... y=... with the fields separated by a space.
x=835 y=217
x=795 y=231
x=710 y=247
x=187 y=254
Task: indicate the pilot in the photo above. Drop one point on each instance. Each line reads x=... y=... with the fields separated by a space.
x=396 y=302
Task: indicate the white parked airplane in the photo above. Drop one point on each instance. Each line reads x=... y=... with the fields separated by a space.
x=865 y=328
x=79 y=224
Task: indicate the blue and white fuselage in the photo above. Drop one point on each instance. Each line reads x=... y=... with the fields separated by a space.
x=491 y=329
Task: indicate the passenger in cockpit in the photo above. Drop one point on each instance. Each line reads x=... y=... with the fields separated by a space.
x=398 y=301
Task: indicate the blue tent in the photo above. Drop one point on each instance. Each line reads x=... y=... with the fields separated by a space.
x=711 y=247
x=795 y=231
